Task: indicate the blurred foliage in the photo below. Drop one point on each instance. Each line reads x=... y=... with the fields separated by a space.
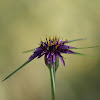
x=23 y=23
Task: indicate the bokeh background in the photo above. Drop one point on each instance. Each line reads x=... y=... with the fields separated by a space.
x=23 y=23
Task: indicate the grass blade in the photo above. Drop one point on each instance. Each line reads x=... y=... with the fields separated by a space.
x=83 y=54
x=75 y=40
x=16 y=70
x=85 y=47
x=29 y=51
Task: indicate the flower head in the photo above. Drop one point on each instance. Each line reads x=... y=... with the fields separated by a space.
x=52 y=48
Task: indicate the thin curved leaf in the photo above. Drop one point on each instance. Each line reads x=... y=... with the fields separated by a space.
x=75 y=40
x=16 y=70
x=29 y=51
x=84 y=55
x=85 y=47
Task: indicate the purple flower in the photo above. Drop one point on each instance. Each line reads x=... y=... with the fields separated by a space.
x=51 y=49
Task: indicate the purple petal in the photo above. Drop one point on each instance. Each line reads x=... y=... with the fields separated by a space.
x=65 y=47
x=54 y=58
x=60 y=41
x=61 y=58
x=63 y=42
x=67 y=51
x=46 y=59
x=36 y=53
x=70 y=52
x=38 y=49
x=51 y=61
x=40 y=55
x=49 y=55
x=32 y=57
x=70 y=47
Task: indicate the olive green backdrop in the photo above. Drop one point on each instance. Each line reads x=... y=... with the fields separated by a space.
x=23 y=23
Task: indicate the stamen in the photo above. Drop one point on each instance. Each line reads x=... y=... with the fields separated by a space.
x=43 y=44
x=49 y=38
x=53 y=42
x=46 y=37
x=65 y=40
x=40 y=43
x=46 y=42
x=47 y=48
x=58 y=40
x=49 y=41
x=43 y=52
x=53 y=38
x=56 y=46
x=40 y=39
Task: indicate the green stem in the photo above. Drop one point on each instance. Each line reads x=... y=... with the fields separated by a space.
x=54 y=72
x=52 y=76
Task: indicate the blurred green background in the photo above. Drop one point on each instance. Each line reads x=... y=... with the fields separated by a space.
x=23 y=23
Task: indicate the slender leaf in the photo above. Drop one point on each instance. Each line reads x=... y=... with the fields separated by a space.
x=29 y=51
x=84 y=55
x=75 y=40
x=56 y=63
x=16 y=70
x=85 y=47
